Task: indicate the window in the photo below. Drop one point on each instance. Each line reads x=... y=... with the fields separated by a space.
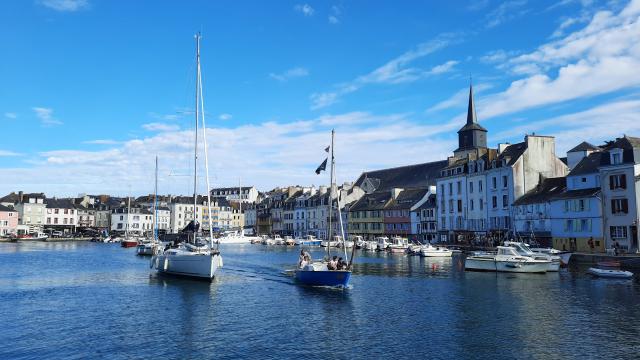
x=494 y=201
x=450 y=188
x=471 y=187
x=568 y=225
x=505 y=201
x=618 y=232
x=585 y=225
x=55 y=220
x=616 y=158
x=442 y=206
x=442 y=189
x=459 y=187
x=619 y=206
x=584 y=179
x=55 y=211
x=471 y=204
x=66 y=211
x=617 y=181
x=459 y=205
x=481 y=204
x=450 y=205
x=48 y=220
x=494 y=182
x=504 y=181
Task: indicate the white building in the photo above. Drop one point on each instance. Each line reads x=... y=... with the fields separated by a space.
x=234 y=194
x=139 y=221
x=620 y=183
x=61 y=214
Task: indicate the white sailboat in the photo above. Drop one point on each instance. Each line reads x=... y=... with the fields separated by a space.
x=190 y=258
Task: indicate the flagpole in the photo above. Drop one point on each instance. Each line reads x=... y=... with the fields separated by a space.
x=330 y=201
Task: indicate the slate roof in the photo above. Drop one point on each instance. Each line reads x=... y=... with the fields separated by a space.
x=513 y=152
x=588 y=165
x=407 y=198
x=544 y=192
x=410 y=176
x=53 y=203
x=584 y=146
x=6 y=209
x=429 y=204
x=572 y=194
x=374 y=201
x=15 y=197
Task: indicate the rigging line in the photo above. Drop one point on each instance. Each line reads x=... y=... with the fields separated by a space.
x=206 y=158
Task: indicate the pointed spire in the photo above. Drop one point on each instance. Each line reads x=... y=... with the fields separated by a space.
x=472 y=118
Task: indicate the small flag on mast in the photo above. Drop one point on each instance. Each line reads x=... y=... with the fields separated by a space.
x=327 y=149
x=322 y=166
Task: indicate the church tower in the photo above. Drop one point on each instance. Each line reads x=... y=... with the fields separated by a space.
x=472 y=136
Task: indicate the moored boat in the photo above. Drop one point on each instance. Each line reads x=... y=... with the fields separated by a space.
x=308 y=240
x=609 y=273
x=434 y=251
x=506 y=260
x=524 y=250
x=398 y=245
x=565 y=256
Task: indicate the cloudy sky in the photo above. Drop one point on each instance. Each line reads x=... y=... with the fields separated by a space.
x=92 y=90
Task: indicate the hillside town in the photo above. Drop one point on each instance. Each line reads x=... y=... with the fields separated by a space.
x=584 y=200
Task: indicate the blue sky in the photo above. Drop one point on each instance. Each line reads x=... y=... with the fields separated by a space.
x=92 y=90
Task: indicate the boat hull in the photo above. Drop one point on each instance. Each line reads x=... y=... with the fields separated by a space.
x=332 y=278
x=201 y=266
x=309 y=243
x=488 y=264
x=608 y=273
x=146 y=250
x=128 y=243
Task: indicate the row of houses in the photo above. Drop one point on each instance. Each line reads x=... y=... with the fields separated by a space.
x=587 y=200
x=22 y=213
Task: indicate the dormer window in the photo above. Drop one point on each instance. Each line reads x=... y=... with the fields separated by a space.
x=616 y=156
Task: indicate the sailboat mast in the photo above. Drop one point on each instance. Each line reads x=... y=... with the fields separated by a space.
x=240 y=208
x=195 y=148
x=155 y=205
x=126 y=232
x=330 y=198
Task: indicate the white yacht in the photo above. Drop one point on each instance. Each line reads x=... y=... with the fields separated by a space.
x=277 y=240
x=398 y=245
x=564 y=256
x=381 y=243
x=434 y=251
x=234 y=237
x=506 y=260
x=524 y=250
x=151 y=246
x=358 y=242
x=193 y=258
x=371 y=245
x=288 y=240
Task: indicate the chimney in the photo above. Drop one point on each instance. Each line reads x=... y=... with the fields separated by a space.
x=502 y=147
x=20 y=197
x=395 y=192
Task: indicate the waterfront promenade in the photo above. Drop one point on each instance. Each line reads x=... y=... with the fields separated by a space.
x=90 y=300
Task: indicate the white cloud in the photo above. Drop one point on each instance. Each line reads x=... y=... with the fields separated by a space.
x=333 y=19
x=594 y=125
x=305 y=9
x=46 y=116
x=477 y=5
x=161 y=127
x=8 y=153
x=167 y=117
x=506 y=11
x=336 y=11
x=601 y=58
x=11 y=115
x=395 y=71
x=224 y=117
x=101 y=142
x=295 y=72
x=65 y=5
x=267 y=154
x=460 y=98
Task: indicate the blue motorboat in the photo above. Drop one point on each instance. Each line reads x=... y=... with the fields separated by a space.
x=312 y=276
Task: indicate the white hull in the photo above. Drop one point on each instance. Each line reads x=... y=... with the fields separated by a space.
x=192 y=264
x=617 y=274
x=236 y=240
x=432 y=251
x=514 y=266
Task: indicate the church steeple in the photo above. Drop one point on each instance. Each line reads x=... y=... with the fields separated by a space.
x=472 y=136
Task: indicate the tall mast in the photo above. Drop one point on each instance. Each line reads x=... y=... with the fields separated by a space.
x=330 y=197
x=126 y=232
x=206 y=149
x=155 y=206
x=240 y=208
x=195 y=148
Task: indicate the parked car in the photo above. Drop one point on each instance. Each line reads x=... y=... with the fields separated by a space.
x=56 y=234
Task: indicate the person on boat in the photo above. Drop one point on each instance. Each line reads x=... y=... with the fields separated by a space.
x=342 y=265
x=333 y=264
x=591 y=244
x=302 y=260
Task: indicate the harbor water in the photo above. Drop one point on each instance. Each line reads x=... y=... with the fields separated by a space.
x=88 y=300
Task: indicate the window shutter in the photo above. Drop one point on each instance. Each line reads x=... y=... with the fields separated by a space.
x=610 y=182
x=625 y=206
x=587 y=204
x=613 y=207
x=623 y=181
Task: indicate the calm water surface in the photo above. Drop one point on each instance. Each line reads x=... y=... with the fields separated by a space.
x=87 y=300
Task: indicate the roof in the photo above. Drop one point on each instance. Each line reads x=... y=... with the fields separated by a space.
x=231 y=189
x=15 y=197
x=584 y=146
x=53 y=203
x=544 y=192
x=513 y=152
x=374 y=201
x=429 y=204
x=407 y=198
x=6 y=209
x=588 y=164
x=410 y=176
x=571 y=194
